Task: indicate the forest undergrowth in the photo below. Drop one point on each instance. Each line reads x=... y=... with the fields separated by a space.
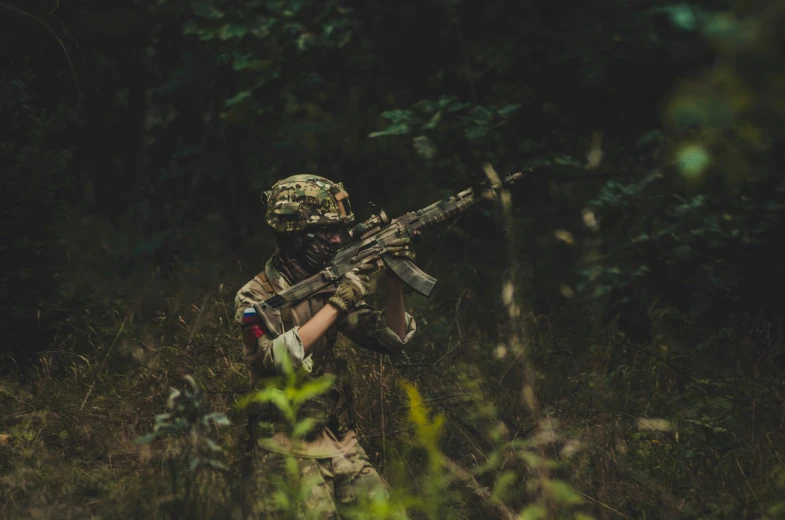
x=612 y=348
x=619 y=429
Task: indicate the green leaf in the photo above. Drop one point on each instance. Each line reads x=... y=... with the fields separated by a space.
x=237 y=98
x=427 y=106
x=727 y=28
x=247 y=61
x=303 y=427
x=494 y=461
x=533 y=512
x=777 y=509
x=480 y=115
x=446 y=100
x=145 y=439
x=213 y=446
x=563 y=493
x=507 y=110
x=396 y=129
x=693 y=160
x=243 y=402
x=219 y=419
x=194 y=463
x=304 y=41
x=473 y=134
x=457 y=107
x=425 y=147
x=190 y=27
x=682 y=15
x=723 y=403
x=63 y=435
x=434 y=121
x=397 y=116
x=269 y=395
x=216 y=465
x=502 y=484
x=228 y=31
x=313 y=388
x=537 y=462
x=206 y=9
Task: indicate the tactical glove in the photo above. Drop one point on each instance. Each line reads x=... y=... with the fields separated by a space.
x=401 y=248
x=352 y=289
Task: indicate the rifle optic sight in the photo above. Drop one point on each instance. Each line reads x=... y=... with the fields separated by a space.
x=369 y=226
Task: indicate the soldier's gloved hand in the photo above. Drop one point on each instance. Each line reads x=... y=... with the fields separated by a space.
x=353 y=288
x=401 y=248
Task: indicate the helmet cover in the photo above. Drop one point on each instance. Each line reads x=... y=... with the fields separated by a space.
x=306 y=201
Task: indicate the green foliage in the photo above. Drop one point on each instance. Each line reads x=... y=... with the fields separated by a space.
x=706 y=220
x=291 y=490
x=133 y=197
x=188 y=420
x=684 y=16
x=707 y=241
x=426 y=435
x=258 y=39
x=290 y=394
x=435 y=123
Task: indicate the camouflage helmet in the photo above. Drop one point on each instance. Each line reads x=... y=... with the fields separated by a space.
x=305 y=201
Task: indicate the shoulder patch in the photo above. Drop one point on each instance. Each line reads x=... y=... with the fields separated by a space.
x=250 y=316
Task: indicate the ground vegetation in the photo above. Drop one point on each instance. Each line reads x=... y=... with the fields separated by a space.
x=605 y=341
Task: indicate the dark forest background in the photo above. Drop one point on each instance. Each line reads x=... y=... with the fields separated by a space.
x=635 y=285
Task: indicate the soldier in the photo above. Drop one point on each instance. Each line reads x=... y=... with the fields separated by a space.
x=308 y=214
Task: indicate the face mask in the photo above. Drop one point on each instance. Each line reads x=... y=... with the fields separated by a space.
x=318 y=253
x=312 y=252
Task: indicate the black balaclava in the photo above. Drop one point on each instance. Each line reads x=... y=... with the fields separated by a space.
x=303 y=254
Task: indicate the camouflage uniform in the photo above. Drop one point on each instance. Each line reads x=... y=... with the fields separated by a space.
x=331 y=455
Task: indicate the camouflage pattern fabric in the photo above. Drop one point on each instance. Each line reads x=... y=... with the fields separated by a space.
x=335 y=475
x=332 y=486
x=305 y=201
x=363 y=325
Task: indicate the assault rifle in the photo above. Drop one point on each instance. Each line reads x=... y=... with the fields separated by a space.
x=371 y=239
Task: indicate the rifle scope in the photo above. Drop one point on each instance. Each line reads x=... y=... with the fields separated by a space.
x=369 y=226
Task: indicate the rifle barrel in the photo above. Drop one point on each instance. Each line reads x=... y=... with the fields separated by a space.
x=447 y=208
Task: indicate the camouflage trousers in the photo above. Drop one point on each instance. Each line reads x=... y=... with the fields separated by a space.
x=330 y=488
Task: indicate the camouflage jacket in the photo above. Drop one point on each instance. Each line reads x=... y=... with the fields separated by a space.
x=263 y=350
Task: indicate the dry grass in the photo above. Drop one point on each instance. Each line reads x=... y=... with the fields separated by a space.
x=68 y=423
x=71 y=419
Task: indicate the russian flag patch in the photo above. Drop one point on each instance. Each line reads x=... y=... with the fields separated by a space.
x=250 y=316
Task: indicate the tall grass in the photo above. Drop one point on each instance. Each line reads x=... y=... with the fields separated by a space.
x=531 y=417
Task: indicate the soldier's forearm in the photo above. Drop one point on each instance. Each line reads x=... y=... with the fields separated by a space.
x=317 y=326
x=394 y=312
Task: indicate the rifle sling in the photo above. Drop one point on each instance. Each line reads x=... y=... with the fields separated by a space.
x=286 y=312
